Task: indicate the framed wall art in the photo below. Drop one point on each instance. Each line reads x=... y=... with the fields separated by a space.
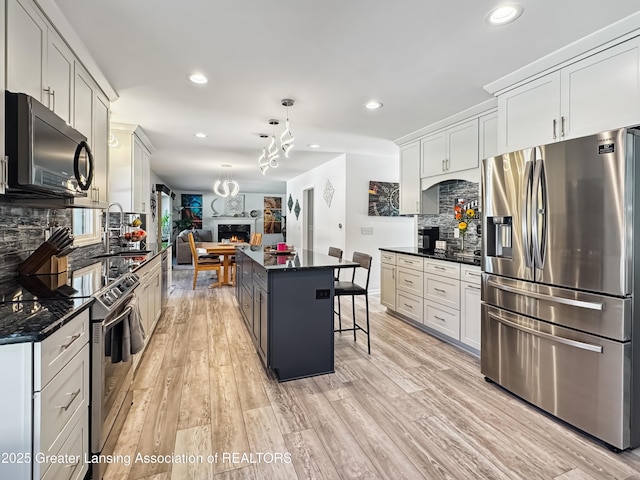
x=272 y=215
x=192 y=209
x=384 y=199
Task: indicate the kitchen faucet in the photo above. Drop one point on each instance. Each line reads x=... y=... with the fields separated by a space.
x=107 y=231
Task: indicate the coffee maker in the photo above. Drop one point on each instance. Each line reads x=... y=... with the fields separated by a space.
x=427 y=239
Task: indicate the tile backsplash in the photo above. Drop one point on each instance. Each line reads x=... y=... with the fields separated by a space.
x=449 y=192
x=22 y=230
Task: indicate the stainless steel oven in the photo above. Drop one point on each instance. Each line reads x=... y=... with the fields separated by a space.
x=111 y=368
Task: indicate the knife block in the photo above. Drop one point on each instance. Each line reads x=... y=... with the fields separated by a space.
x=53 y=266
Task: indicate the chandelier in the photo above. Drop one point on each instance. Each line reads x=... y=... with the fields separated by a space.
x=270 y=154
x=228 y=186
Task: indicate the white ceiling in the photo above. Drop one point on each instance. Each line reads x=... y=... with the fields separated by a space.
x=424 y=59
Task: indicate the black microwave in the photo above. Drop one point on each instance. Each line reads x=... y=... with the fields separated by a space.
x=47 y=157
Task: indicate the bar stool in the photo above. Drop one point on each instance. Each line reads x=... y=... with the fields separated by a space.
x=337 y=253
x=343 y=289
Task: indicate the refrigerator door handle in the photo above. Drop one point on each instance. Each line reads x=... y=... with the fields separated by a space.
x=565 y=341
x=526 y=201
x=539 y=210
x=548 y=298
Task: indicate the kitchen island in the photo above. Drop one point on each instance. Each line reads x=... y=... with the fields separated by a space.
x=286 y=301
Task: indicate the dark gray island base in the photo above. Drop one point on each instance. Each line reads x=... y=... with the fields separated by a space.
x=287 y=304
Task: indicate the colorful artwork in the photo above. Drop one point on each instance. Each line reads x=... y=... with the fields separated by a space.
x=272 y=215
x=192 y=209
x=384 y=199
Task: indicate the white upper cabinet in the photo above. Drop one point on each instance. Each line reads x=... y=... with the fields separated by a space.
x=129 y=170
x=602 y=92
x=451 y=150
x=599 y=93
x=59 y=76
x=39 y=63
x=26 y=46
x=529 y=115
x=488 y=145
x=83 y=103
x=434 y=152
x=410 y=178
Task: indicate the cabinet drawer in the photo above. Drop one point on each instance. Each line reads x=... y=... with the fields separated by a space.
x=470 y=274
x=260 y=276
x=442 y=290
x=409 y=305
x=443 y=319
x=74 y=448
x=409 y=261
x=55 y=351
x=439 y=267
x=409 y=281
x=65 y=397
x=246 y=303
x=388 y=257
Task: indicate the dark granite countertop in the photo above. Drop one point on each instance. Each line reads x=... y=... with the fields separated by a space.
x=33 y=321
x=298 y=260
x=466 y=259
x=33 y=307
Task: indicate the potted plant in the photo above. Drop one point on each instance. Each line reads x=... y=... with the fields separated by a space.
x=182 y=224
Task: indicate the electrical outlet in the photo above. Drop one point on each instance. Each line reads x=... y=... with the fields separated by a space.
x=366 y=230
x=456 y=232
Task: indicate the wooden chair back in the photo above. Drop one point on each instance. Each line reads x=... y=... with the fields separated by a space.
x=364 y=260
x=203 y=264
x=337 y=253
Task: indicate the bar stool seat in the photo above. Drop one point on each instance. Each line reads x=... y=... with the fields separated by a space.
x=343 y=288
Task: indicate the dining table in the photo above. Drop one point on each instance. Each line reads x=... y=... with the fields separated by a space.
x=226 y=251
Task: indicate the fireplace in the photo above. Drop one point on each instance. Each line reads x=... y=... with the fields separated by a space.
x=230 y=231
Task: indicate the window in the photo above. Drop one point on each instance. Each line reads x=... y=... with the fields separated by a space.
x=86 y=225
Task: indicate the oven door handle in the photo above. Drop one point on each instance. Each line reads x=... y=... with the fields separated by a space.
x=126 y=312
x=554 y=338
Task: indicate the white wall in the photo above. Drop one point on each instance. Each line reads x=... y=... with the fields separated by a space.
x=387 y=231
x=350 y=175
x=252 y=201
x=326 y=218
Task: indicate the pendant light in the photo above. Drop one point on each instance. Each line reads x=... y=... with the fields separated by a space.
x=286 y=139
x=227 y=187
x=270 y=154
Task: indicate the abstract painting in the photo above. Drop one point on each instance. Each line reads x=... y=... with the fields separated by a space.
x=192 y=209
x=384 y=199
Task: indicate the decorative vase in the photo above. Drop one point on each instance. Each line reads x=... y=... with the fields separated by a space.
x=462 y=242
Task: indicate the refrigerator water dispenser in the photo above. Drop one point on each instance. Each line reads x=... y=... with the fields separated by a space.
x=499 y=237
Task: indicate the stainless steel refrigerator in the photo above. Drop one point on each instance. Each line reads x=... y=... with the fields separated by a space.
x=561 y=265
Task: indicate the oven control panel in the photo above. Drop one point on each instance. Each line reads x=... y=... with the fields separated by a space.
x=108 y=299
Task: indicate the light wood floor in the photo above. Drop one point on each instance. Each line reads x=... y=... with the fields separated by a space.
x=415 y=408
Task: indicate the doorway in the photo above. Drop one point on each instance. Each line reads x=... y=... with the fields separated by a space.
x=307 y=219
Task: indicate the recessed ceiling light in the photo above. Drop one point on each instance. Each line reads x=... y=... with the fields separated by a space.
x=200 y=135
x=373 y=105
x=198 y=78
x=314 y=145
x=503 y=14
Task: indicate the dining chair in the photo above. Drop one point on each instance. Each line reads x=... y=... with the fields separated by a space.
x=352 y=289
x=256 y=239
x=201 y=264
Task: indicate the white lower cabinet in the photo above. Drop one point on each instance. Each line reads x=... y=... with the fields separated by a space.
x=442 y=295
x=46 y=415
x=470 y=290
x=443 y=319
x=388 y=285
x=470 y=315
x=409 y=305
